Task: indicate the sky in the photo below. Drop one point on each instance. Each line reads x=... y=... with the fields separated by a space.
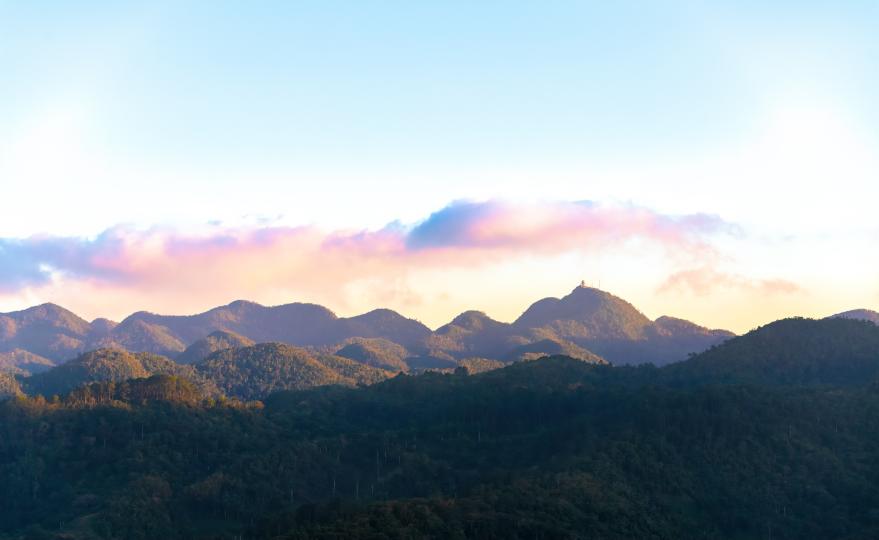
x=716 y=161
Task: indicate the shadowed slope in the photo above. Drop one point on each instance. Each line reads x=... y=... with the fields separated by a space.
x=21 y=362
x=792 y=352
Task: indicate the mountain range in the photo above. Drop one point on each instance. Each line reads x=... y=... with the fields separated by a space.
x=588 y=324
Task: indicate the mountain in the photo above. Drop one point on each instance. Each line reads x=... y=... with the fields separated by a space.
x=47 y=330
x=860 y=314
x=586 y=313
x=375 y=352
x=99 y=365
x=586 y=323
x=21 y=362
x=613 y=329
x=297 y=323
x=305 y=324
x=110 y=365
x=101 y=327
x=213 y=342
x=835 y=351
x=473 y=333
x=255 y=372
x=140 y=336
x=384 y=323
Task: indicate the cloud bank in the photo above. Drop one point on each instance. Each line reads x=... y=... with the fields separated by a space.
x=462 y=234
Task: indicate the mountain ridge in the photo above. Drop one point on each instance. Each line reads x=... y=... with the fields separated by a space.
x=592 y=320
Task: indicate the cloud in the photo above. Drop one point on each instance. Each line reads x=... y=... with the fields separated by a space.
x=462 y=233
x=705 y=280
x=556 y=226
x=401 y=266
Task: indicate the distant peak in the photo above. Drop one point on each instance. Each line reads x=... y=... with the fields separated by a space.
x=859 y=314
x=470 y=315
x=49 y=307
x=243 y=303
x=586 y=290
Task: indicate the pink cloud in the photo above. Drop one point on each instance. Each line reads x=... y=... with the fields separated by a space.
x=703 y=281
x=257 y=260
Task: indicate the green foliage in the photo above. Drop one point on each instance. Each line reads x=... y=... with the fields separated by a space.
x=550 y=347
x=257 y=371
x=480 y=365
x=99 y=365
x=792 y=351
x=718 y=447
x=9 y=387
x=166 y=388
x=216 y=341
x=375 y=352
x=111 y=365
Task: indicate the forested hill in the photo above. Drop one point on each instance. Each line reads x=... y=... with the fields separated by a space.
x=549 y=448
x=797 y=351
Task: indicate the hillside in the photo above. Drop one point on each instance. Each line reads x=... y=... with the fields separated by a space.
x=798 y=351
x=21 y=362
x=140 y=336
x=110 y=365
x=473 y=333
x=552 y=448
x=160 y=388
x=613 y=329
x=586 y=313
x=213 y=342
x=553 y=347
x=46 y=330
x=375 y=352
x=859 y=314
x=255 y=372
x=384 y=323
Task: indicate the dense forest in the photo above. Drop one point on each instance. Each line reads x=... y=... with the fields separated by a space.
x=774 y=434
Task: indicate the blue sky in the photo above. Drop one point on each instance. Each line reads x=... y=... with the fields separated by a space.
x=352 y=115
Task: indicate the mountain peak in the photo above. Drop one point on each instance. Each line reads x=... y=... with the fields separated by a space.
x=601 y=311
x=859 y=314
x=238 y=304
x=474 y=320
